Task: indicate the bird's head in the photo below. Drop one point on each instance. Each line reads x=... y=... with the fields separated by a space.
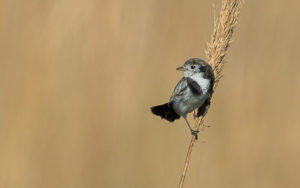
x=195 y=66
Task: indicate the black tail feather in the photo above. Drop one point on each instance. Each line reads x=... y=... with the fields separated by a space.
x=165 y=111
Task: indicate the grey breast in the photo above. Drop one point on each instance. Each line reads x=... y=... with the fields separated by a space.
x=184 y=100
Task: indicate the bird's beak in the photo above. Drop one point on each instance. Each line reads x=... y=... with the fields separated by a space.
x=181 y=68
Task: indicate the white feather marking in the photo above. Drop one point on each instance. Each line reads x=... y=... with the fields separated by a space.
x=203 y=83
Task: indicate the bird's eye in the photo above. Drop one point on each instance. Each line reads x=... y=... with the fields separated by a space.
x=192 y=67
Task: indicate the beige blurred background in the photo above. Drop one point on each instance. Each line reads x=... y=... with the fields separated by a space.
x=77 y=79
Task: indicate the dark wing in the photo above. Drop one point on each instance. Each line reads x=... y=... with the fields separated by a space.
x=180 y=89
x=203 y=108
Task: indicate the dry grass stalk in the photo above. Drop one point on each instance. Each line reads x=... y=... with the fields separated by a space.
x=217 y=50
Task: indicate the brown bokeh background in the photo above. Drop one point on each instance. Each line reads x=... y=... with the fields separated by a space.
x=77 y=79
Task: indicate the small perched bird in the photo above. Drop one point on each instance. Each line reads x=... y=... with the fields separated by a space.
x=193 y=91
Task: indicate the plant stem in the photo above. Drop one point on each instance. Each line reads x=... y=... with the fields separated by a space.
x=215 y=54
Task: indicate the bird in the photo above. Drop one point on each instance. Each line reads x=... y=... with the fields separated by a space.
x=193 y=91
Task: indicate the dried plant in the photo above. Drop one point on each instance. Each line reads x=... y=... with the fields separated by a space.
x=217 y=50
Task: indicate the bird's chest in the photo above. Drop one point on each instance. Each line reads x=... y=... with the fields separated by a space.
x=191 y=100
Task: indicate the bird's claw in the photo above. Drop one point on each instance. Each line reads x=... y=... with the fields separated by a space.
x=195 y=133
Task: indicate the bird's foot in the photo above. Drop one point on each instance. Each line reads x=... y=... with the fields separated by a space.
x=195 y=133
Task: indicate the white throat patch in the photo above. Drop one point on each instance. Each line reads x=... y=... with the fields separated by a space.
x=203 y=83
